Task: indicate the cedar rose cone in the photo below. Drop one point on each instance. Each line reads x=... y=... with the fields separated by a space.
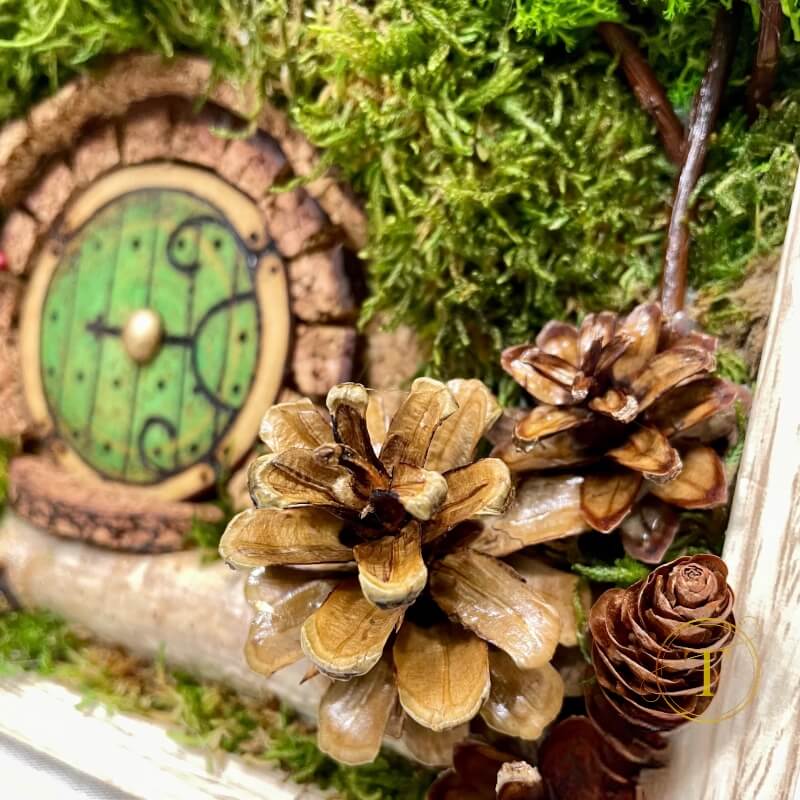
x=361 y=531
x=634 y=402
x=651 y=646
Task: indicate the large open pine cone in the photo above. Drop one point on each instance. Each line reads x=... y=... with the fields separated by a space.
x=652 y=644
x=361 y=529
x=633 y=401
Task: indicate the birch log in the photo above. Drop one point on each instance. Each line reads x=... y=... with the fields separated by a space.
x=754 y=754
x=196 y=612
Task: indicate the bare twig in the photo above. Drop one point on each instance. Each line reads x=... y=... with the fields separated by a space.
x=765 y=63
x=702 y=122
x=646 y=87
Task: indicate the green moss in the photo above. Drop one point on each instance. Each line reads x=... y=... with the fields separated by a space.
x=33 y=642
x=744 y=199
x=555 y=20
x=506 y=180
x=489 y=177
x=732 y=367
x=623 y=572
x=44 y=42
x=203 y=715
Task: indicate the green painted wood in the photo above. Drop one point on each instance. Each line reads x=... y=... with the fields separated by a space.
x=169 y=251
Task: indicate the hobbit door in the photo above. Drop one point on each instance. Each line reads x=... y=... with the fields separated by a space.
x=167 y=285
x=156 y=324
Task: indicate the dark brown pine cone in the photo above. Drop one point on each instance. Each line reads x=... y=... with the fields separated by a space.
x=481 y=772
x=573 y=762
x=650 y=641
x=649 y=654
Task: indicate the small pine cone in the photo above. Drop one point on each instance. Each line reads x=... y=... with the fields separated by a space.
x=650 y=643
x=648 y=651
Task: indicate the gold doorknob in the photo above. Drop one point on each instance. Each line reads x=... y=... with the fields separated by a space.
x=143 y=334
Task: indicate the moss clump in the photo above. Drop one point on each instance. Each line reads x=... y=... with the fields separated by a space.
x=34 y=642
x=45 y=42
x=506 y=179
x=489 y=175
x=745 y=197
x=203 y=715
x=555 y=20
x=563 y=19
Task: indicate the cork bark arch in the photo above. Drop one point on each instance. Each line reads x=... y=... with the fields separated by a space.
x=141 y=111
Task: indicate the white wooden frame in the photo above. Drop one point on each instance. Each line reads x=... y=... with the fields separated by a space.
x=756 y=754
x=131 y=754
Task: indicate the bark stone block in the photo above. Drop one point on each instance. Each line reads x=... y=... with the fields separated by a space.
x=319 y=287
x=96 y=153
x=49 y=119
x=193 y=141
x=252 y=165
x=18 y=238
x=293 y=219
x=10 y=290
x=13 y=138
x=142 y=77
x=343 y=210
x=323 y=357
x=147 y=135
x=50 y=195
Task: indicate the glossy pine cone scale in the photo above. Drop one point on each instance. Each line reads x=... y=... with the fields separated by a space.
x=633 y=403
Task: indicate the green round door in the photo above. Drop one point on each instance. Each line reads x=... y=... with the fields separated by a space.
x=153 y=329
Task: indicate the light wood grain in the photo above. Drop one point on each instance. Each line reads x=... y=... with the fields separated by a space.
x=131 y=754
x=195 y=612
x=755 y=754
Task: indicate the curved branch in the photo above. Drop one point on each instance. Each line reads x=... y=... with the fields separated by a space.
x=702 y=122
x=646 y=87
x=765 y=62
